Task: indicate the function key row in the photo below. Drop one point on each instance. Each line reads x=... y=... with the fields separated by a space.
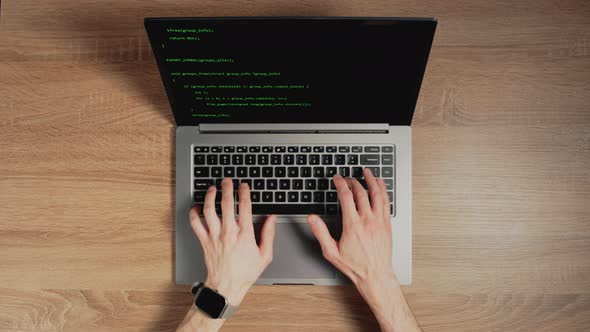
x=293 y=159
x=293 y=149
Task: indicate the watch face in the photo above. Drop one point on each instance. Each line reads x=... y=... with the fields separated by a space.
x=210 y=302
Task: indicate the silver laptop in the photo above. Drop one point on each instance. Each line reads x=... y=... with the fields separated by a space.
x=283 y=104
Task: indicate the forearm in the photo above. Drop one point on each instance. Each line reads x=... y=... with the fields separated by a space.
x=197 y=321
x=387 y=301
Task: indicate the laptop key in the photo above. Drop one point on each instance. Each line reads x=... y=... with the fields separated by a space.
x=293 y=172
x=254 y=149
x=250 y=159
x=280 y=149
x=254 y=172
x=216 y=149
x=372 y=149
x=297 y=184
x=375 y=171
x=267 y=172
x=201 y=149
x=242 y=172
x=228 y=149
x=305 y=172
x=229 y=172
x=306 y=196
x=390 y=195
x=387 y=159
x=318 y=196
x=255 y=196
x=266 y=197
x=242 y=149
x=344 y=171
x=370 y=159
x=310 y=184
x=388 y=148
x=280 y=172
x=318 y=149
x=331 y=196
x=388 y=184
x=280 y=196
x=323 y=184
x=293 y=197
x=288 y=159
x=201 y=172
x=294 y=149
x=262 y=159
x=202 y=184
x=215 y=172
x=331 y=171
x=271 y=184
x=340 y=159
x=275 y=159
x=284 y=184
x=237 y=159
x=248 y=182
x=199 y=196
x=357 y=149
x=301 y=159
x=258 y=184
x=314 y=159
x=224 y=159
x=345 y=149
x=387 y=172
x=357 y=172
x=287 y=208
x=353 y=159
x=267 y=149
x=199 y=159
x=318 y=172
x=326 y=159
x=211 y=159
x=306 y=149
x=331 y=209
x=331 y=149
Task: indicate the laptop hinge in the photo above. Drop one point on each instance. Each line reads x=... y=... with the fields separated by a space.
x=293 y=128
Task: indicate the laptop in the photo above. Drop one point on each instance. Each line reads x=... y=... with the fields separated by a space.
x=284 y=103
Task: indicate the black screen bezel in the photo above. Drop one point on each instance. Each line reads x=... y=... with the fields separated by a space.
x=401 y=116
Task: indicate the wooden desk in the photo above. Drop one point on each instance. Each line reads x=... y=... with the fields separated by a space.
x=501 y=141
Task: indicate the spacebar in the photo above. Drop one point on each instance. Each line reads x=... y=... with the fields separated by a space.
x=287 y=208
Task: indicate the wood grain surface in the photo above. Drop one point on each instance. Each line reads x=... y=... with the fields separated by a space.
x=501 y=141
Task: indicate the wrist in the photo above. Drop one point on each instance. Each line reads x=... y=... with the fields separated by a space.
x=380 y=292
x=234 y=294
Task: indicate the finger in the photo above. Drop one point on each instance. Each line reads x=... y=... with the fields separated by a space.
x=209 y=212
x=228 y=217
x=345 y=196
x=360 y=197
x=374 y=192
x=329 y=245
x=267 y=237
x=386 y=203
x=198 y=226
x=245 y=209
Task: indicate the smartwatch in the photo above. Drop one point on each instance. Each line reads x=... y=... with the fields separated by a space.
x=210 y=302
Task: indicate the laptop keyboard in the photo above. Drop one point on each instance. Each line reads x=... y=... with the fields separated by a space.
x=290 y=179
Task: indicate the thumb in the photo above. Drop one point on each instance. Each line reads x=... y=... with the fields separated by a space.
x=327 y=242
x=267 y=236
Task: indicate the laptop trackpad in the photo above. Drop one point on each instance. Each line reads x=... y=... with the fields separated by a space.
x=297 y=254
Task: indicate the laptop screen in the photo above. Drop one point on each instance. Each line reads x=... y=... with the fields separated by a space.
x=291 y=70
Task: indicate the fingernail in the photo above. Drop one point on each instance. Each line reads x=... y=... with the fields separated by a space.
x=313 y=219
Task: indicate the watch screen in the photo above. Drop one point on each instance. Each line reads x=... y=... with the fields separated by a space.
x=210 y=302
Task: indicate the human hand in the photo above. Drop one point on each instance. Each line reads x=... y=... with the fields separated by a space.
x=233 y=259
x=364 y=252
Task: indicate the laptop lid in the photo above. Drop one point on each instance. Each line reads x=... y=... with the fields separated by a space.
x=291 y=70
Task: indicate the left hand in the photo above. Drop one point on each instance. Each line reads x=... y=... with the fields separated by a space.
x=233 y=259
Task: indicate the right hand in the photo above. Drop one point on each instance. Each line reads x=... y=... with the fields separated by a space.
x=364 y=252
